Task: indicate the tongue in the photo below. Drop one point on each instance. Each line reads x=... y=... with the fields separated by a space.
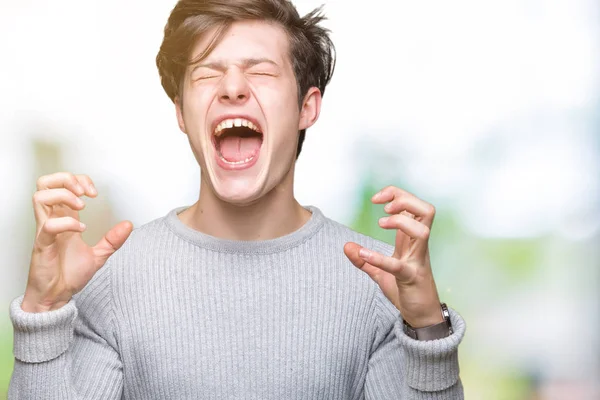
x=236 y=148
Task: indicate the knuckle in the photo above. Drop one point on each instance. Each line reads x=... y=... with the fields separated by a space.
x=37 y=197
x=79 y=178
x=47 y=227
x=68 y=194
x=431 y=209
x=400 y=265
x=384 y=190
x=39 y=183
x=72 y=179
x=71 y=222
x=63 y=175
x=72 y=198
x=426 y=232
x=84 y=178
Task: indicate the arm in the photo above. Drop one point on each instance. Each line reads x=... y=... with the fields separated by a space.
x=70 y=352
x=430 y=369
x=403 y=368
x=63 y=351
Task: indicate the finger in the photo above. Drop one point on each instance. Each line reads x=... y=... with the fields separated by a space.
x=383 y=196
x=87 y=184
x=78 y=184
x=352 y=252
x=60 y=180
x=400 y=200
x=55 y=226
x=394 y=266
x=403 y=241
x=414 y=207
x=412 y=228
x=112 y=241
x=43 y=199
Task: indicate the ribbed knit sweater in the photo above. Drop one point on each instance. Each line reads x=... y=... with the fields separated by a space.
x=178 y=314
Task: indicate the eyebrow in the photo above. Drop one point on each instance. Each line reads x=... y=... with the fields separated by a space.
x=245 y=64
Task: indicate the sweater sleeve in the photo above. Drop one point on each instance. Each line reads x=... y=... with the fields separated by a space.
x=403 y=368
x=69 y=353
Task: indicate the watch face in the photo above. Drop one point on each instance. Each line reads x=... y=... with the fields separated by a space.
x=446 y=315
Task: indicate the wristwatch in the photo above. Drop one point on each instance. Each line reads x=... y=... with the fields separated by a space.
x=431 y=332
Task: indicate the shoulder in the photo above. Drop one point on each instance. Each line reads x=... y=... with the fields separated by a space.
x=140 y=243
x=122 y=268
x=342 y=233
x=333 y=236
x=143 y=240
x=339 y=234
x=147 y=233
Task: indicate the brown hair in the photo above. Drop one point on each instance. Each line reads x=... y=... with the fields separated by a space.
x=312 y=52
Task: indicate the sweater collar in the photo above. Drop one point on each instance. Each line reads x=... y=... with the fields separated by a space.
x=275 y=245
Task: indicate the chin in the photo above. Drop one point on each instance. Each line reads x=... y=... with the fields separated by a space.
x=238 y=191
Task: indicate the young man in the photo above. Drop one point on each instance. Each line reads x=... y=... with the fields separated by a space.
x=246 y=294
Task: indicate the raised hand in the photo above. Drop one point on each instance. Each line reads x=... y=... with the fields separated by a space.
x=61 y=262
x=405 y=277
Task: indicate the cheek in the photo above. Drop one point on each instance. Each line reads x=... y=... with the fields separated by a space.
x=198 y=96
x=281 y=110
x=194 y=115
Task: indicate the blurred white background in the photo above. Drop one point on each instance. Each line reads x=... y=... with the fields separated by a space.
x=489 y=110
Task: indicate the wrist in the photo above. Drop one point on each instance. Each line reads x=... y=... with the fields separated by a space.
x=423 y=317
x=419 y=304
x=33 y=305
x=432 y=332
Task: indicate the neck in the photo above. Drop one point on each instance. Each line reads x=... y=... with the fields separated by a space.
x=274 y=215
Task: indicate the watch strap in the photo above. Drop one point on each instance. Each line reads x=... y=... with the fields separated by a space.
x=431 y=332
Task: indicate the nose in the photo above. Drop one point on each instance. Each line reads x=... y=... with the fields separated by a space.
x=234 y=88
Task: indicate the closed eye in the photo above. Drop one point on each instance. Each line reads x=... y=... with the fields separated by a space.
x=202 y=78
x=262 y=74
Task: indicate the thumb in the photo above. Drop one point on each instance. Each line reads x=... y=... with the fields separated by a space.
x=112 y=241
x=351 y=250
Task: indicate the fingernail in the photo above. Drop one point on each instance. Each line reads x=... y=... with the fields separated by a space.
x=383 y=220
x=93 y=190
x=82 y=225
x=80 y=202
x=388 y=207
x=364 y=253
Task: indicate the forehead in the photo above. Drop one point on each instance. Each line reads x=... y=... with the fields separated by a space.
x=247 y=39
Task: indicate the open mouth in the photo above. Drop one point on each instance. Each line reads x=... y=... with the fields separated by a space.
x=237 y=141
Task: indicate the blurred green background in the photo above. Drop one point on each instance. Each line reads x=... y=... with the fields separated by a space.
x=488 y=110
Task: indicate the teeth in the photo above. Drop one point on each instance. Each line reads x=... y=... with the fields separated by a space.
x=235 y=162
x=237 y=122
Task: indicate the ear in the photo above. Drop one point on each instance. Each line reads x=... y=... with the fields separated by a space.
x=311 y=108
x=179 y=112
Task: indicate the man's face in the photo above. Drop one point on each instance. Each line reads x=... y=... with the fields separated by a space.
x=241 y=113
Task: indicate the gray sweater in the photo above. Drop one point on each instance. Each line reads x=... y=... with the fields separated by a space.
x=178 y=314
